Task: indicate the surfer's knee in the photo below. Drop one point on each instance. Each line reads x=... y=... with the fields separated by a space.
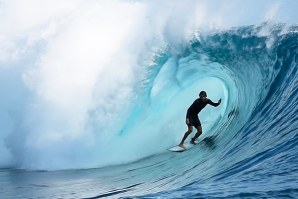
x=189 y=130
x=199 y=129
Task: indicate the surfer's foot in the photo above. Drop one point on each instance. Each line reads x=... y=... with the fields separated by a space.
x=182 y=146
x=192 y=141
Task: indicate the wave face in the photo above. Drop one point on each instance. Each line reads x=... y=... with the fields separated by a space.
x=254 y=148
x=73 y=98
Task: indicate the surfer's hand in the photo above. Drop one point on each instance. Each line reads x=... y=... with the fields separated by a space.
x=219 y=101
x=187 y=121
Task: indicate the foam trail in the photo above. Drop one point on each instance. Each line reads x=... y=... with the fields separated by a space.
x=75 y=76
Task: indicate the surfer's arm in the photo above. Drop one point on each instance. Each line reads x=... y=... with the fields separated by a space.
x=213 y=103
x=187 y=117
x=187 y=121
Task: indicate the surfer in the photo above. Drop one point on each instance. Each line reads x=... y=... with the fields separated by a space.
x=192 y=118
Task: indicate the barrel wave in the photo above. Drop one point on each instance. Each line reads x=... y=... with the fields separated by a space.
x=99 y=124
x=256 y=138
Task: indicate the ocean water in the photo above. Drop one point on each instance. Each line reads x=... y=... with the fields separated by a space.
x=93 y=98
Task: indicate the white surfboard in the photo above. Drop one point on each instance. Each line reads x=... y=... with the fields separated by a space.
x=177 y=149
x=180 y=149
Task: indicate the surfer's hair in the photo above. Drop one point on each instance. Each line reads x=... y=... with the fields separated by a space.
x=203 y=94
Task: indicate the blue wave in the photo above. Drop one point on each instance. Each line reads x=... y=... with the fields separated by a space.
x=254 y=149
x=249 y=148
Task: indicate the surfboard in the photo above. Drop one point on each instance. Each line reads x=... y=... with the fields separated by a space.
x=180 y=149
x=208 y=141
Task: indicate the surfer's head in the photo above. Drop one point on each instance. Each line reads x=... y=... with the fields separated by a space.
x=203 y=94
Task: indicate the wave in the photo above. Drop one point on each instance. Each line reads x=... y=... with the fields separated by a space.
x=78 y=99
x=261 y=135
x=83 y=86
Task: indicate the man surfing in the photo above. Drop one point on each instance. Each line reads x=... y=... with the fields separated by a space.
x=192 y=118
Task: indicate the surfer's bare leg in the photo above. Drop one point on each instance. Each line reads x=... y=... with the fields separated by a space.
x=199 y=132
x=185 y=136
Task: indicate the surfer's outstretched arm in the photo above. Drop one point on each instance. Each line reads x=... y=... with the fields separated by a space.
x=213 y=103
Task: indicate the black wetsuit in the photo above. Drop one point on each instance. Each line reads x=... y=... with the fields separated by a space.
x=195 y=108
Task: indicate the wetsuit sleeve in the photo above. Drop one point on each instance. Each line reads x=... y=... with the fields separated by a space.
x=212 y=103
